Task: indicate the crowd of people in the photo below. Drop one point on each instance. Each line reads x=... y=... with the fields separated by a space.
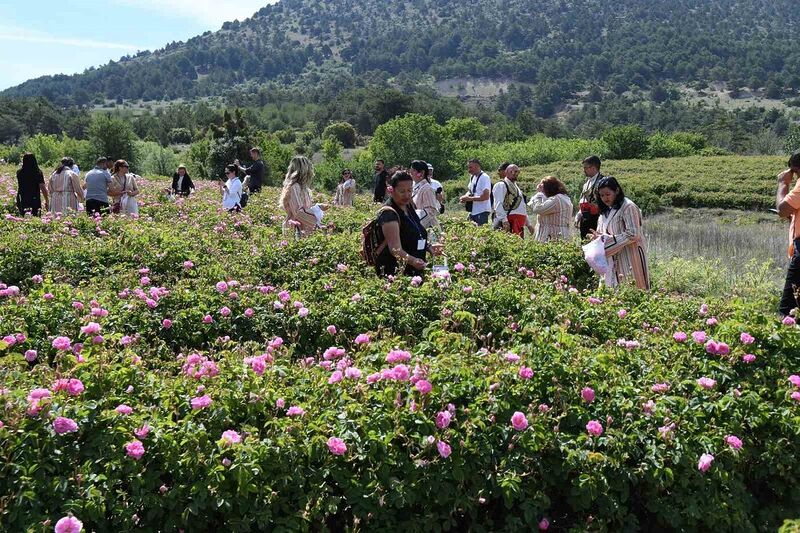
x=412 y=202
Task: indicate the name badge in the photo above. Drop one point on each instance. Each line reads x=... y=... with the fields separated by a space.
x=421 y=244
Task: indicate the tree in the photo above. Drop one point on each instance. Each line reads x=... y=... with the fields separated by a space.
x=343 y=132
x=113 y=137
x=465 y=129
x=400 y=141
x=625 y=142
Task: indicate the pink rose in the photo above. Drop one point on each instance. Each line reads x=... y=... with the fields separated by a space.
x=733 y=441
x=225 y=311
x=63 y=425
x=443 y=419
x=134 y=449
x=707 y=383
x=594 y=428
x=166 y=323
x=92 y=328
x=622 y=313
x=336 y=377
x=397 y=356
x=423 y=386
x=123 y=409
x=230 y=437
x=746 y=338
x=207 y=319
x=705 y=462
x=362 y=338
x=295 y=410
x=519 y=421
x=660 y=388
x=544 y=524
x=142 y=432
x=795 y=380
x=188 y=265
x=699 y=337
x=748 y=358
x=31 y=355
x=249 y=312
x=331 y=329
x=280 y=403
x=337 y=446
x=796 y=396
x=789 y=321
x=302 y=312
x=69 y=524
x=679 y=336
x=62 y=343
x=201 y=402
x=444 y=449
x=587 y=394
x=222 y=286
x=525 y=372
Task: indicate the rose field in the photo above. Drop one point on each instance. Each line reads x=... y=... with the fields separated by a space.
x=192 y=370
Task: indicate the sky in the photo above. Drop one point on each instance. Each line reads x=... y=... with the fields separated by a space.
x=40 y=37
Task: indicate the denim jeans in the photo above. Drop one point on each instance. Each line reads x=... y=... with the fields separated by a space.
x=788 y=300
x=480 y=219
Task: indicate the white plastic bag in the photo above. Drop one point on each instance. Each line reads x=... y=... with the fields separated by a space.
x=318 y=213
x=595 y=254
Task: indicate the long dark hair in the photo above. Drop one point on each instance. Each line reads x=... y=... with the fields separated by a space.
x=30 y=167
x=422 y=166
x=609 y=182
x=66 y=162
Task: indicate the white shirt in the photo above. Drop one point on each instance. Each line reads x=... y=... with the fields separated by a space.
x=233 y=195
x=436 y=185
x=500 y=191
x=484 y=183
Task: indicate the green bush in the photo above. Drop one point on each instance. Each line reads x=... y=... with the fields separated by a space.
x=465 y=129
x=661 y=145
x=343 y=132
x=113 y=137
x=402 y=140
x=508 y=307
x=155 y=159
x=625 y=142
x=179 y=136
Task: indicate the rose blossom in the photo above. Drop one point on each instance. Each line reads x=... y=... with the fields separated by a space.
x=525 y=372
x=69 y=524
x=423 y=386
x=62 y=343
x=746 y=338
x=733 y=441
x=748 y=358
x=707 y=383
x=518 y=421
x=443 y=419
x=337 y=446
x=705 y=462
x=135 y=449
x=680 y=336
x=230 y=437
x=63 y=425
x=587 y=394
x=594 y=428
x=123 y=409
x=444 y=449
x=201 y=402
x=295 y=410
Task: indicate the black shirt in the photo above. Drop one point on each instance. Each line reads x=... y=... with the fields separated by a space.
x=186 y=184
x=411 y=232
x=256 y=171
x=380 y=186
x=28 y=195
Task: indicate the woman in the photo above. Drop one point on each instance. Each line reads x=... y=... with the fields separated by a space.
x=124 y=189
x=620 y=227
x=30 y=187
x=346 y=190
x=424 y=197
x=301 y=214
x=405 y=238
x=181 y=182
x=553 y=209
x=65 y=188
x=231 y=190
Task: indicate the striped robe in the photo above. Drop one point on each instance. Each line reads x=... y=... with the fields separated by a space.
x=553 y=216
x=426 y=204
x=298 y=208
x=624 y=243
x=65 y=190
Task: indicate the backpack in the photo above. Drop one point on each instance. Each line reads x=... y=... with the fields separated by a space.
x=511 y=200
x=372 y=243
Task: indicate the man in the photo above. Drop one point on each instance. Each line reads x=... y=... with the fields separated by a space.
x=501 y=170
x=477 y=200
x=788 y=205
x=380 y=180
x=256 y=172
x=509 y=203
x=437 y=188
x=589 y=209
x=97 y=182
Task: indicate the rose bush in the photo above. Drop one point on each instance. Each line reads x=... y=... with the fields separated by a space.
x=526 y=400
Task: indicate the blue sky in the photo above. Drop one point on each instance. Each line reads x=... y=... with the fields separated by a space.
x=39 y=37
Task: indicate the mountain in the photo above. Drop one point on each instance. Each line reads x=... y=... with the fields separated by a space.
x=559 y=47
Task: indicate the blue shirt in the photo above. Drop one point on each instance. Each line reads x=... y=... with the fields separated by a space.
x=97 y=181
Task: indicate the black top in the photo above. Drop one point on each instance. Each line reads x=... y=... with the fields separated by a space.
x=28 y=195
x=411 y=232
x=256 y=171
x=186 y=185
x=380 y=185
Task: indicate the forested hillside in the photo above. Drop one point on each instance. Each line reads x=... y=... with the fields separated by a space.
x=560 y=47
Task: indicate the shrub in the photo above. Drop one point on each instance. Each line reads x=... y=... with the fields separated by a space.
x=179 y=136
x=113 y=137
x=625 y=142
x=465 y=129
x=661 y=145
x=156 y=159
x=402 y=140
x=343 y=132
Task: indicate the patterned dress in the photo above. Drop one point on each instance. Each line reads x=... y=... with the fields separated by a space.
x=553 y=216
x=65 y=189
x=125 y=185
x=623 y=239
x=298 y=211
x=425 y=203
